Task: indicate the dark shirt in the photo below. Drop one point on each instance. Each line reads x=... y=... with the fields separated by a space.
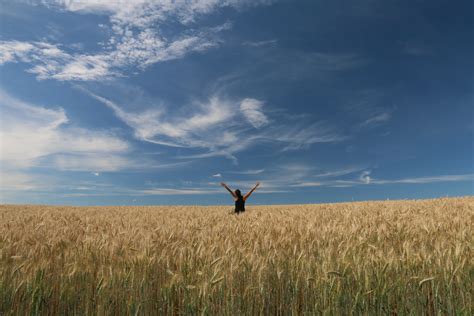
x=239 y=205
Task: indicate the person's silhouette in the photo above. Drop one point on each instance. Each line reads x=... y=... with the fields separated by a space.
x=238 y=198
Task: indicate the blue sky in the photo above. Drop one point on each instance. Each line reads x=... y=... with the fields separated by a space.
x=156 y=102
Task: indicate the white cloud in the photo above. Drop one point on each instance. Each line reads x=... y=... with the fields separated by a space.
x=365 y=177
x=143 y=13
x=29 y=134
x=261 y=43
x=300 y=138
x=51 y=62
x=243 y=142
x=199 y=130
x=252 y=110
x=307 y=184
x=16 y=181
x=167 y=191
x=96 y=174
x=113 y=191
x=180 y=48
x=212 y=126
x=338 y=173
x=136 y=40
x=211 y=113
x=80 y=67
x=297 y=176
x=96 y=6
x=248 y=172
x=217 y=175
x=12 y=50
x=368 y=106
x=377 y=119
x=424 y=180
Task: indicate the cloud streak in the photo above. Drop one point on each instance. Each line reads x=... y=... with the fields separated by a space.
x=370 y=108
x=377 y=119
x=248 y=172
x=215 y=127
x=277 y=183
x=366 y=179
x=286 y=177
x=168 y=191
x=426 y=180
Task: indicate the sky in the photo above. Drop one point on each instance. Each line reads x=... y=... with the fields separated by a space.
x=114 y=102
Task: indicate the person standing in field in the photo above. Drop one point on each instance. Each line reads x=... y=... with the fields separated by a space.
x=238 y=198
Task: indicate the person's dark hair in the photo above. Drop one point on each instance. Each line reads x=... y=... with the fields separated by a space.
x=238 y=193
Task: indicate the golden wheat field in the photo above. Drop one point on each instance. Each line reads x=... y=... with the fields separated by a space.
x=400 y=257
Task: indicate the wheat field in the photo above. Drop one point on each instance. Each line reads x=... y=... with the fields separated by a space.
x=400 y=257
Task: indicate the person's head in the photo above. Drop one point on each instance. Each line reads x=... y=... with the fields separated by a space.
x=238 y=193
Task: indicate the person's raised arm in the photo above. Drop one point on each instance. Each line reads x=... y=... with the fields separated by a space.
x=228 y=189
x=251 y=191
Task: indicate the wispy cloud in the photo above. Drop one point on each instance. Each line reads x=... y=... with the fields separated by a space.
x=248 y=172
x=31 y=133
x=13 y=50
x=377 y=119
x=136 y=38
x=277 y=183
x=252 y=110
x=17 y=181
x=306 y=184
x=158 y=191
x=291 y=177
x=214 y=126
x=168 y=191
x=49 y=61
x=366 y=179
x=147 y=12
x=282 y=176
x=155 y=125
x=302 y=175
x=296 y=137
x=265 y=43
x=370 y=107
x=338 y=173
x=36 y=141
x=284 y=66
x=424 y=180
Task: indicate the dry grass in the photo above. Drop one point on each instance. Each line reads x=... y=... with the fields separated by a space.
x=405 y=257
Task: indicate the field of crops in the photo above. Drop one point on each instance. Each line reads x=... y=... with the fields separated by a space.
x=405 y=257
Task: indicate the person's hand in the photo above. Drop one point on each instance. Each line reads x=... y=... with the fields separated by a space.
x=223 y=184
x=257 y=185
